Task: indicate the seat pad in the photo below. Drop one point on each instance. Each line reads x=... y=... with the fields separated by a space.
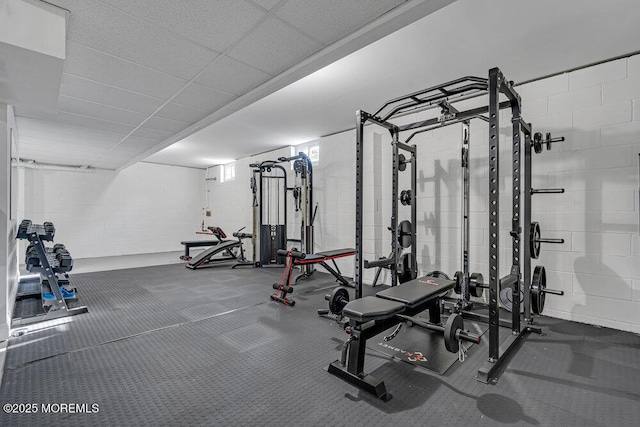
x=372 y=308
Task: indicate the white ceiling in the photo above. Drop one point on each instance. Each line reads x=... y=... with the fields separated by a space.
x=140 y=75
x=526 y=39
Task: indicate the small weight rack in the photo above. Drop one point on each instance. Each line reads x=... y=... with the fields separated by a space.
x=52 y=264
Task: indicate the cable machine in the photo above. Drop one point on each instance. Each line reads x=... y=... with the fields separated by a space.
x=269 y=184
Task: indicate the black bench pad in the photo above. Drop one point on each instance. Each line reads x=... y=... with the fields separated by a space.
x=195 y=243
x=337 y=253
x=417 y=292
x=372 y=308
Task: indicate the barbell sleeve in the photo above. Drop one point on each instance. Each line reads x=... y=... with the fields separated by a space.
x=463 y=335
x=384 y=262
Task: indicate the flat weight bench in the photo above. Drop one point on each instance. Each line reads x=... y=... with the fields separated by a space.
x=300 y=258
x=370 y=316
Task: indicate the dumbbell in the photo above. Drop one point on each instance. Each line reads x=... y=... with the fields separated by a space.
x=476 y=284
x=286 y=289
x=58 y=247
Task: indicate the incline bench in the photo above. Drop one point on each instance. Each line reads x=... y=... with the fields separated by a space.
x=215 y=231
x=369 y=316
x=300 y=258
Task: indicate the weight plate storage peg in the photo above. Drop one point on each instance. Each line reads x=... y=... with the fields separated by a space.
x=538 y=288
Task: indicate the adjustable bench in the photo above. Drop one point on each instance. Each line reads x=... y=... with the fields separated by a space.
x=214 y=231
x=370 y=316
x=300 y=258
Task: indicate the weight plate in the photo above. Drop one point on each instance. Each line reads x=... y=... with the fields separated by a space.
x=476 y=279
x=405 y=232
x=506 y=299
x=538 y=285
x=438 y=274
x=453 y=325
x=458 y=277
x=338 y=299
x=406 y=268
x=402 y=165
x=534 y=240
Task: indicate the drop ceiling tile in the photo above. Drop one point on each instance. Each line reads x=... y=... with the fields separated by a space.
x=166 y=125
x=274 y=47
x=78 y=121
x=330 y=20
x=202 y=97
x=104 y=28
x=99 y=111
x=77 y=87
x=61 y=148
x=57 y=132
x=214 y=24
x=267 y=4
x=108 y=69
x=154 y=134
x=182 y=113
x=231 y=76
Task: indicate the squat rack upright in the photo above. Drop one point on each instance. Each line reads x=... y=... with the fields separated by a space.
x=442 y=96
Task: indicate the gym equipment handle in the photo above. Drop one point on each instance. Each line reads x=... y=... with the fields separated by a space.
x=551 y=291
x=547 y=191
x=543 y=240
x=292 y=254
x=383 y=262
x=463 y=335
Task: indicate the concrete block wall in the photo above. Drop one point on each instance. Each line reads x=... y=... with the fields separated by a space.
x=145 y=208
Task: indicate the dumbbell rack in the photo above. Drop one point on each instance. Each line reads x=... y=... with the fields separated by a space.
x=53 y=265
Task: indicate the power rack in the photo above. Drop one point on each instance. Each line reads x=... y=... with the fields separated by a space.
x=497 y=87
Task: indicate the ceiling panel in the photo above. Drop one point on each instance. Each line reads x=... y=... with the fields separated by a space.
x=231 y=76
x=77 y=87
x=182 y=113
x=329 y=20
x=63 y=133
x=215 y=24
x=202 y=97
x=167 y=125
x=104 y=28
x=267 y=4
x=77 y=121
x=98 y=66
x=147 y=133
x=274 y=47
x=95 y=110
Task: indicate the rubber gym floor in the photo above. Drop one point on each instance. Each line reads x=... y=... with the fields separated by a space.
x=170 y=346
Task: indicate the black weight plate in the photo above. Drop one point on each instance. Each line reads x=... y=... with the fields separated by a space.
x=402 y=165
x=476 y=279
x=458 y=277
x=453 y=325
x=437 y=274
x=538 y=285
x=406 y=268
x=405 y=231
x=534 y=240
x=338 y=299
x=506 y=299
